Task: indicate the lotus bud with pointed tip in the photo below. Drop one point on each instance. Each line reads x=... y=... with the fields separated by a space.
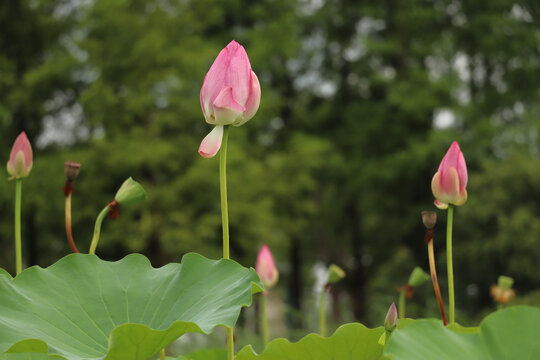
x=130 y=193
x=418 y=277
x=335 y=274
x=21 y=158
x=391 y=320
x=450 y=181
x=266 y=268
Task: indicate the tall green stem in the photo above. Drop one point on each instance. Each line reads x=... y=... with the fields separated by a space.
x=18 y=246
x=322 y=314
x=401 y=304
x=225 y=220
x=451 y=301
x=264 y=320
x=97 y=229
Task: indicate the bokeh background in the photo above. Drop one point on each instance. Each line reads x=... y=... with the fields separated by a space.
x=360 y=101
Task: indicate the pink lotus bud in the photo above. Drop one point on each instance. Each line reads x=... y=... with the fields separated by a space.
x=266 y=268
x=391 y=320
x=448 y=184
x=231 y=93
x=212 y=142
x=21 y=158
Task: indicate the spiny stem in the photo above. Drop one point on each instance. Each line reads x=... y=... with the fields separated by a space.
x=225 y=220
x=264 y=320
x=401 y=304
x=433 y=271
x=18 y=246
x=97 y=229
x=68 y=225
x=450 y=266
x=322 y=313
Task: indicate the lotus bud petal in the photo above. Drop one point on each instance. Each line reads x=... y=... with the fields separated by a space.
x=21 y=158
x=450 y=181
x=391 y=320
x=418 y=277
x=211 y=143
x=335 y=274
x=130 y=193
x=231 y=92
x=266 y=269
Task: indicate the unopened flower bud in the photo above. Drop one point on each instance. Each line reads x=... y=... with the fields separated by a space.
x=21 y=158
x=391 y=320
x=72 y=169
x=335 y=274
x=266 y=268
x=130 y=193
x=450 y=181
x=418 y=277
x=429 y=218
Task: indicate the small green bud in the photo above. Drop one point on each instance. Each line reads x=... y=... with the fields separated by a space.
x=505 y=282
x=335 y=274
x=391 y=320
x=130 y=193
x=418 y=277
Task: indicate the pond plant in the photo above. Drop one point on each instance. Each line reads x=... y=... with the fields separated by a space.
x=83 y=307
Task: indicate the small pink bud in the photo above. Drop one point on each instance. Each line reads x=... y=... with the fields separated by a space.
x=450 y=181
x=391 y=320
x=266 y=268
x=21 y=158
x=231 y=92
x=211 y=143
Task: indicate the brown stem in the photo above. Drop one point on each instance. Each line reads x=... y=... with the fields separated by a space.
x=68 y=224
x=433 y=271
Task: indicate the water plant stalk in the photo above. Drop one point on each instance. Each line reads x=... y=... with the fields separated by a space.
x=162 y=355
x=264 y=320
x=322 y=313
x=69 y=233
x=401 y=304
x=225 y=220
x=18 y=246
x=97 y=229
x=433 y=271
x=450 y=266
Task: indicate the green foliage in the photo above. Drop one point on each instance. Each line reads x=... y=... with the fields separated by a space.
x=351 y=341
x=84 y=307
x=507 y=334
x=213 y=354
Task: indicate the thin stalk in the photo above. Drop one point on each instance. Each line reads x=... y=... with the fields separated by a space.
x=69 y=234
x=401 y=304
x=449 y=263
x=97 y=229
x=225 y=220
x=264 y=320
x=162 y=355
x=435 y=282
x=322 y=314
x=18 y=246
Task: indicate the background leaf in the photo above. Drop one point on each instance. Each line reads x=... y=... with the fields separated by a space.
x=86 y=308
x=349 y=342
x=507 y=334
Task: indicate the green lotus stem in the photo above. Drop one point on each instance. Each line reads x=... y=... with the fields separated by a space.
x=401 y=306
x=18 y=246
x=162 y=355
x=322 y=314
x=264 y=320
x=97 y=229
x=450 y=269
x=225 y=220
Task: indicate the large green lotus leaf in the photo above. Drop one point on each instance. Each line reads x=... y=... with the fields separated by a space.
x=508 y=334
x=86 y=308
x=349 y=342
